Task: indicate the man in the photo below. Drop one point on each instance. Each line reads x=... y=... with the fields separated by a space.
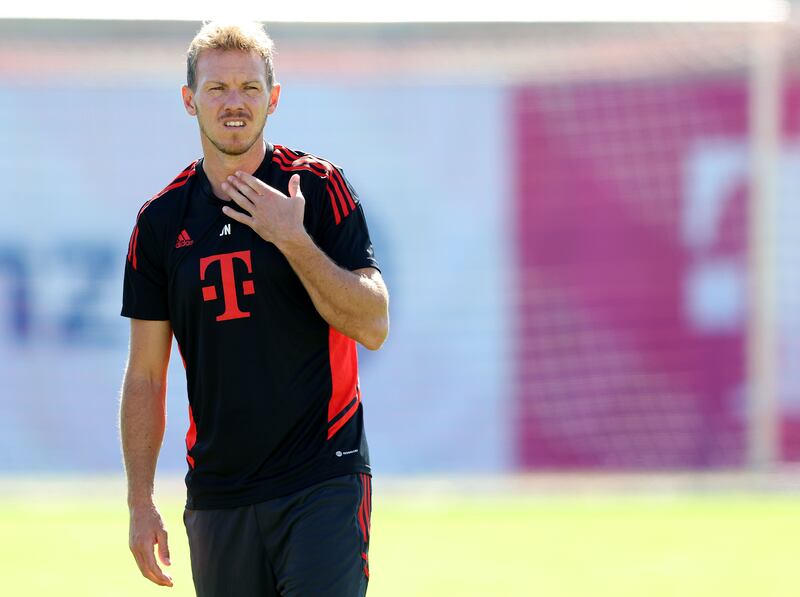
x=258 y=259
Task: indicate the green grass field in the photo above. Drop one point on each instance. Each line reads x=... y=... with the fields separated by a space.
x=745 y=545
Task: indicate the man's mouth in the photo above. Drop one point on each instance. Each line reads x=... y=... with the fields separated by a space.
x=233 y=123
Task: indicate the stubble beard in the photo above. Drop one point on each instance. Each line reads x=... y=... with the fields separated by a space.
x=227 y=150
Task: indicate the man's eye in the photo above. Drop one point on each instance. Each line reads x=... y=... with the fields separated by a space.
x=215 y=89
x=251 y=87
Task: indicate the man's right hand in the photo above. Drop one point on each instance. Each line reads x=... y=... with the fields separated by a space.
x=146 y=530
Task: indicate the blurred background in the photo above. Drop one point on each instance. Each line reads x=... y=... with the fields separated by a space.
x=589 y=233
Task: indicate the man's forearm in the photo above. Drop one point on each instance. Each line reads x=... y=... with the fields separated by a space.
x=351 y=303
x=142 y=422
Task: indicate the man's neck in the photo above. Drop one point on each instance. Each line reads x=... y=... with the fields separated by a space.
x=218 y=166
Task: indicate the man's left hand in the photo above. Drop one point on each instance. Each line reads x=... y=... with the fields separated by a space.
x=274 y=216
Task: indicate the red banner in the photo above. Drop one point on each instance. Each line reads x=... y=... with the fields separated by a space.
x=631 y=235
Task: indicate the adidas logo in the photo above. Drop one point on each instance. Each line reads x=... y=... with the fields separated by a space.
x=183 y=240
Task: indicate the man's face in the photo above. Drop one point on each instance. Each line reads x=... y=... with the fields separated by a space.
x=231 y=99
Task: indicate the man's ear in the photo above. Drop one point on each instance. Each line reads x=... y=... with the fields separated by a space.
x=274 y=96
x=188 y=100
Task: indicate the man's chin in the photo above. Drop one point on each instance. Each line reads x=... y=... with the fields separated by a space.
x=234 y=149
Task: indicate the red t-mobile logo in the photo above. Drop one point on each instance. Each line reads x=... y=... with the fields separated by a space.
x=232 y=310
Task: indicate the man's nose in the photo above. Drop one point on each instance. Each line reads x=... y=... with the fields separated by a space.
x=234 y=98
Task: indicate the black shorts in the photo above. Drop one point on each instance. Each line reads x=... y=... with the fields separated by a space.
x=310 y=543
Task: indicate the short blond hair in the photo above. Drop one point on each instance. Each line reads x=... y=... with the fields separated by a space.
x=246 y=36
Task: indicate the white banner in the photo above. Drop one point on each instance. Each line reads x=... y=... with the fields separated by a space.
x=429 y=164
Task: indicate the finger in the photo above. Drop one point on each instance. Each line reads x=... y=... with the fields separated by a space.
x=154 y=573
x=312 y=163
x=139 y=554
x=294 y=186
x=163 y=547
x=238 y=216
x=234 y=194
x=258 y=185
x=245 y=189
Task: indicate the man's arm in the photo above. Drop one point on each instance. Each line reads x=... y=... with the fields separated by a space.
x=355 y=303
x=142 y=420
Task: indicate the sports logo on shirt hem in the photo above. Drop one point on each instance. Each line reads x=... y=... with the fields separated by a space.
x=339 y=453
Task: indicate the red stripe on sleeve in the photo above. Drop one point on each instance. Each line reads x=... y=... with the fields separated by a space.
x=308 y=158
x=315 y=167
x=336 y=215
x=337 y=176
x=130 y=242
x=336 y=180
x=291 y=154
x=175 y=185
x=337 y=189
x=340 y=187
x=179 y=181
x=324 y=171
x=133 y=250
x=299 y=168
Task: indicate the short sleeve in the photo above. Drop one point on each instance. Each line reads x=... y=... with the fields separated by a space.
x=344 y=235
x=144 y=294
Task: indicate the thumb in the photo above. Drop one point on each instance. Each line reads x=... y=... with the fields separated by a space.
x=163 y=547
x=294 y=186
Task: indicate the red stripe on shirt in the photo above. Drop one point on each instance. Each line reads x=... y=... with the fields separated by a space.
x=334 y=174
x=337 y=189
x=175 y=185
x=179 y=181
x=130 y=242
x=287 y=168
x=191 y=437
x=337 y=218
x=314 y=165
x=336 y=182
x=133 y=250
x=344 y=378
x=340 y=186
x=333 y=193
x=337 y=193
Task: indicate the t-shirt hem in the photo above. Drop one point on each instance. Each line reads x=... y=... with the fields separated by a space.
x=363 y=265
x=149 y=316
x=262 y=494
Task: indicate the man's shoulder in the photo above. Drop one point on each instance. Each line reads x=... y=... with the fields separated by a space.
x=162 y=202
x=291 y=160
x=333 y=189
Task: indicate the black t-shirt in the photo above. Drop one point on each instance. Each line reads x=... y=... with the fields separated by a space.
x=274 y=396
